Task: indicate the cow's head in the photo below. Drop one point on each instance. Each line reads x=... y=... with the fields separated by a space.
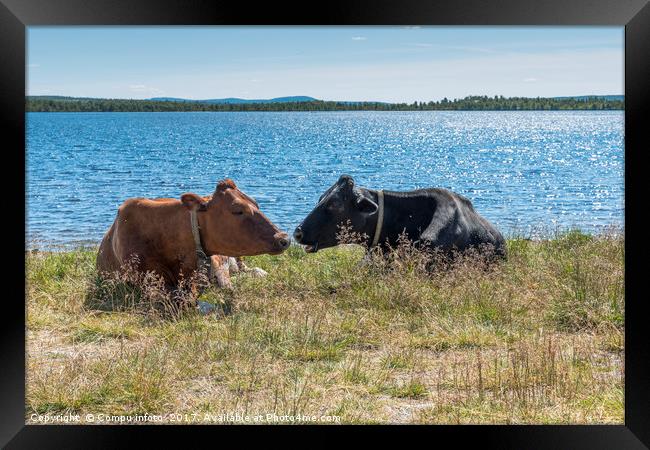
x=341 y=203
x=232 y=224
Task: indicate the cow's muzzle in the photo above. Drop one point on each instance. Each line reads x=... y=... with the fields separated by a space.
x=281 y=241
x=297 y=235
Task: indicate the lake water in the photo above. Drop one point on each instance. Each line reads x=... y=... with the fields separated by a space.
x=524 y=171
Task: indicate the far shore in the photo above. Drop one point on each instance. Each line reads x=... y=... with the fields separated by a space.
x=471 y=103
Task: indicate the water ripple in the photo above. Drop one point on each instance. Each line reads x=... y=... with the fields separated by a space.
x=521 y=169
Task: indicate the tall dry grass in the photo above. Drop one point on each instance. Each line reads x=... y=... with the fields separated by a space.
x=401 y=337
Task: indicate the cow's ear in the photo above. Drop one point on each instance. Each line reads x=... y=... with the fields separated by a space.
x=192 y=201
x=365 y=205
x=225 y=184
x=346 y=181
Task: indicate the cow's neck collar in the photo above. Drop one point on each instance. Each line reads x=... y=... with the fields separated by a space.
x=380 y=217
x=202 y=258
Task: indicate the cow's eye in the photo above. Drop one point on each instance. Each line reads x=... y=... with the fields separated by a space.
x=334 y=206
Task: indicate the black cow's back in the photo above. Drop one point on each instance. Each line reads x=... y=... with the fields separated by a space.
x=441 y=219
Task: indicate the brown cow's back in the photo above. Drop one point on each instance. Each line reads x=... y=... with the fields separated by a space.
x=106 y=259
x=157 y=232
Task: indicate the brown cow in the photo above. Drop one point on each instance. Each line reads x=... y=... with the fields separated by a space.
x=160 y=233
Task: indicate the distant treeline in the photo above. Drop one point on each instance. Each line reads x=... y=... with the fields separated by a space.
x=472 y=103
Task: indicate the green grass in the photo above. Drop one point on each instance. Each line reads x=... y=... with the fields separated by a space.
x=536 y=339
x=412 y=389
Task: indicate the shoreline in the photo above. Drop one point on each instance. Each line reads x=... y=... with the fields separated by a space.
x=611 y=230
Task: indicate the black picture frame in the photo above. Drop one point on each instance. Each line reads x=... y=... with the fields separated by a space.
x=16 y=15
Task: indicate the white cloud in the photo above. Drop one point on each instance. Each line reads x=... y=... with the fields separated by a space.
x=480 y=73
x=359 y=38
x=144 y=89
x=453 y=47
x=556 y=74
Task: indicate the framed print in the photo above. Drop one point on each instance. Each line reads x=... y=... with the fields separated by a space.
x=382 y=214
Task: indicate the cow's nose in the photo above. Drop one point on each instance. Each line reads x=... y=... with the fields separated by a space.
x=297 y=235
x=282 y=241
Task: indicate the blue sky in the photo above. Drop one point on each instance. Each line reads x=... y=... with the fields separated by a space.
x=367 y=63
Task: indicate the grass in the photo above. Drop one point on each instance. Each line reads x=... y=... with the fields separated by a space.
x=536 y=339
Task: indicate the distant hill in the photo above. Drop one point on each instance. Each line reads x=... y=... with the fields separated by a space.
x=234 y=100
x=294 y=99
x=611 y=98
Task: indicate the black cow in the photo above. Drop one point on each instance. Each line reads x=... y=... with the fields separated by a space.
x=434 y=218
